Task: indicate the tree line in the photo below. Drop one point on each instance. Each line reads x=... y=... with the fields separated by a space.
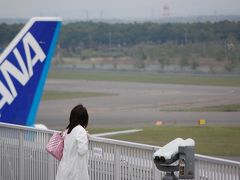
x=85 y=35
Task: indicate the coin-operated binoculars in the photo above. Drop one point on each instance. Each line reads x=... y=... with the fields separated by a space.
x=177 y=155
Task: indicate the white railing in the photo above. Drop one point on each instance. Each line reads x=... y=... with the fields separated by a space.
x=23 y=157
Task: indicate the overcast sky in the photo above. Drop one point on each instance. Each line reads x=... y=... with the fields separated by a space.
x=109 y=9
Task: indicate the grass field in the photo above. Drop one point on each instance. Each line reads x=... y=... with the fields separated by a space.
x=219 y=108
x=210 y=140
x=53 y=95
x=148 y=78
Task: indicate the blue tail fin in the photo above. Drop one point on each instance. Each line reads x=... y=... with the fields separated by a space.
x=23 y=70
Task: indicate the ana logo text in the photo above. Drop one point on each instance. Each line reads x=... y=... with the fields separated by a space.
x=8 y=91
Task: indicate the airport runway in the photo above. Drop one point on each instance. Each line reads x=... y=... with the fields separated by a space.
x=138 y=104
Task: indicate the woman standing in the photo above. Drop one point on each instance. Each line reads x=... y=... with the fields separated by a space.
x=74 y=163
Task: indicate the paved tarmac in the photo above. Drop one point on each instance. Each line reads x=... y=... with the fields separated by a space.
x=137 y=105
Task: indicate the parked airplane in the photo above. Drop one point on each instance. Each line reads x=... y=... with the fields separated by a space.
x=24 y=66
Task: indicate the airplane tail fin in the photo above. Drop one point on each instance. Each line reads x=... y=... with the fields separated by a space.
x=24 y=66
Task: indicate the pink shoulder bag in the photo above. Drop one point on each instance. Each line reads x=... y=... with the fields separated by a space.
x=56 y=144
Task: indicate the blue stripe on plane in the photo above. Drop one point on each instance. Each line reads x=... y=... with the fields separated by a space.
x=32 y=114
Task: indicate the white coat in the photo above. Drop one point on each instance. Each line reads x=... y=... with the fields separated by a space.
x=74 y=163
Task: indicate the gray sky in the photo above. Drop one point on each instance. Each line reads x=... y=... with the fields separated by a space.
x=108 y=9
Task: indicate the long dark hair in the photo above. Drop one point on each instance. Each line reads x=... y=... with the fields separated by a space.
x=78 y=116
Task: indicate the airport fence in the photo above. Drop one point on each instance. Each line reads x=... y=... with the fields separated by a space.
x=23 y=157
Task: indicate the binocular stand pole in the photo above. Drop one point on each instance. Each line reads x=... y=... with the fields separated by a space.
x=169 y=176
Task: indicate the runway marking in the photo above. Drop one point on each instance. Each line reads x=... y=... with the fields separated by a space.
x=116 y=132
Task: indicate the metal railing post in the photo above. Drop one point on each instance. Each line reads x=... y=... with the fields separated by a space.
x=1 y=157
x=117 y=167
x=21 y=155
x=50 y=167
x=239 y=172
x=50 y=164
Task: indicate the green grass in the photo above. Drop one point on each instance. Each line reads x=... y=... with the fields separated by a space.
x=210 y=140
x=53 y=95
x=220 y=108
x=148 y=78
